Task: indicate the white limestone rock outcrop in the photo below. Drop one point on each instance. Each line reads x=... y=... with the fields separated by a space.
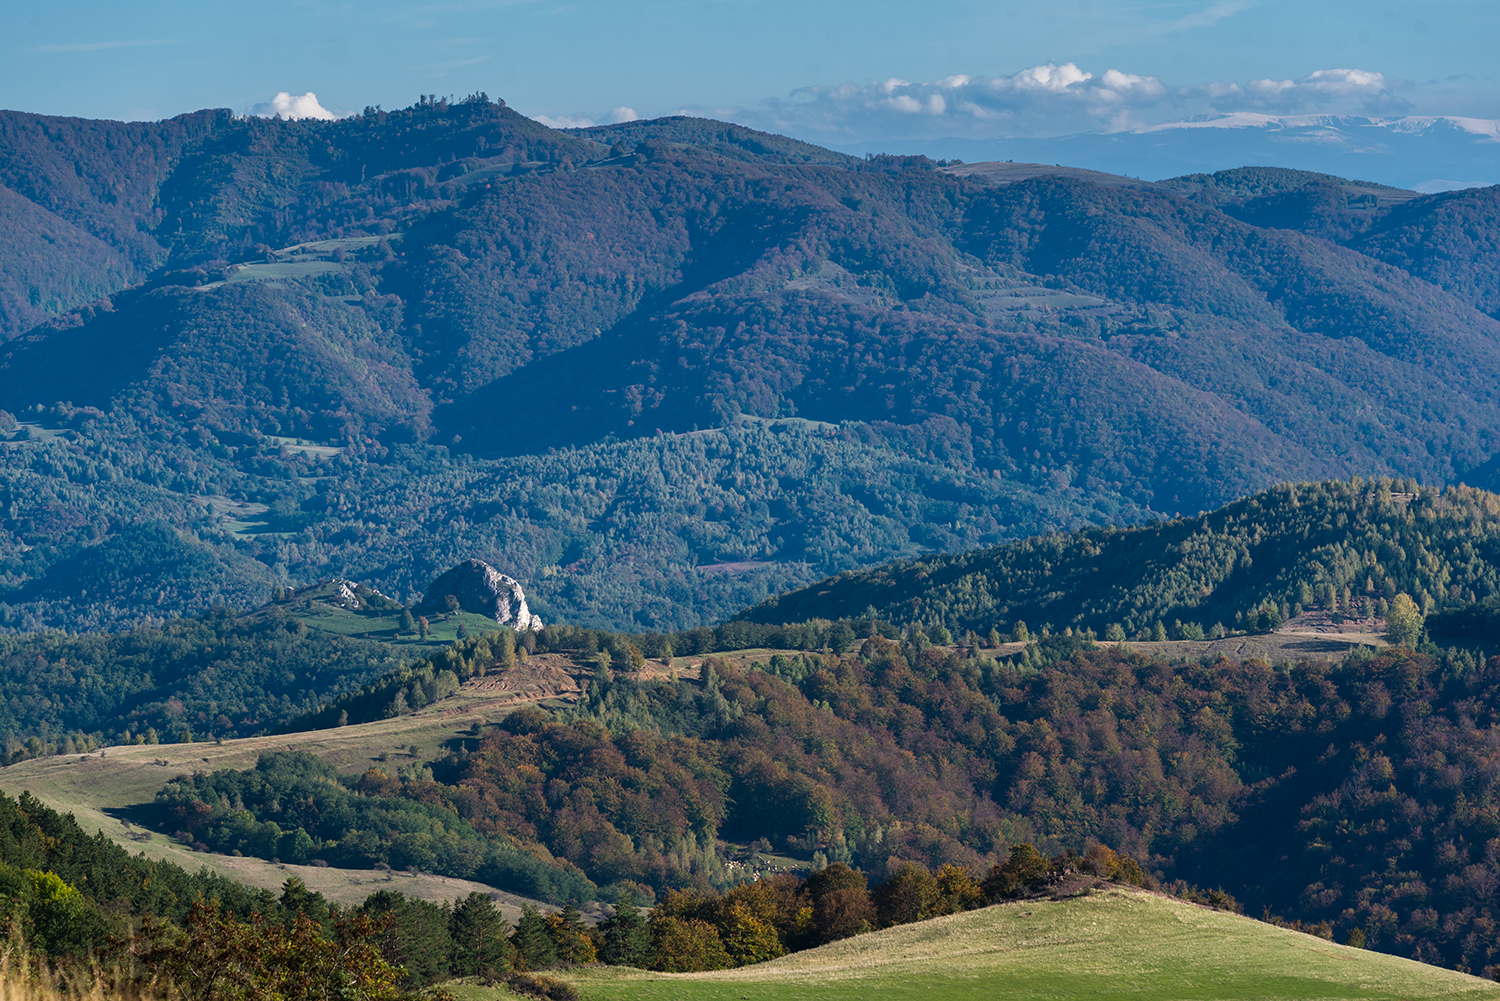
x=347 y=595
x=481 y=589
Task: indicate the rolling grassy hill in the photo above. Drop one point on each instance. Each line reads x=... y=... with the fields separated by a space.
x=1112 y=944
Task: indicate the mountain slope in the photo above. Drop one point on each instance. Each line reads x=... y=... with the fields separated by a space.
x=1296 y=788
x=438 y=296
x=235 y=357
x=1009 y=400
x=1261 y=329
x=1340 y=546
x=51 y=265
x=734 y=142
x=1450 y=240
x=1445 y=239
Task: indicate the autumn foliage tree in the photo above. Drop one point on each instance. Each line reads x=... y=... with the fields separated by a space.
x=1403 y=623
x=220 y=958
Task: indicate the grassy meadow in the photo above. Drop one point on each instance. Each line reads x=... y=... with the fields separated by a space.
x=1111 y=944
x=105 y=790
x=317 y=607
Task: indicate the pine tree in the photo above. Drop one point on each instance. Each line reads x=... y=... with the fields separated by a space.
x=479 y=935
x=416 y=938
x=625 y=940
x=534 y=948
x=571 y=937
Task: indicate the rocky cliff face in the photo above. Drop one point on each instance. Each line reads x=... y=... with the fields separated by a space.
x=480 y=588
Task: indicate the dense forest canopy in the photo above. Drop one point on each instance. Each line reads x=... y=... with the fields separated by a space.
x=1344 y=547
x=1351 y=796
x=660 y=371
x=185 y=679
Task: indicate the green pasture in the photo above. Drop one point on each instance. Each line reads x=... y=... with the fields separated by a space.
x=442 y=631
x=309 y=449
x=316 y=607
x=1112 y=944
x=281 y=271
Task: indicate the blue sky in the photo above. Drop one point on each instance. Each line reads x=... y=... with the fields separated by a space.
x=825 y=68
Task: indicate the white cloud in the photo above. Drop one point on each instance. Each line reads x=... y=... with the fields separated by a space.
x=1048 y=99
x=1331 y=90
x=1129 y=83
x=1438 y=186
x=98 y=46
x=1215 y=13
x=614 y=116
x=1346 y=81
x=1049 y=77
x=1056 y=99
x=292 y=106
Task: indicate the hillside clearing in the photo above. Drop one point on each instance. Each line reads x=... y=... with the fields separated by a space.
x=1283 y=645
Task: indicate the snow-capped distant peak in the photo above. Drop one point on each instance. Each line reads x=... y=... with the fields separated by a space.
x=1487 y=127
x=1410 y=125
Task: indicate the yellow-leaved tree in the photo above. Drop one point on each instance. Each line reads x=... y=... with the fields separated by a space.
x=1403 y=623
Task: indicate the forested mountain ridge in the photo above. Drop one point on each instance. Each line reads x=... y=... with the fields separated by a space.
x=1341 y=549
x=613 y=361
x=724 y=139
x=1346 y=547
x=1448 y=239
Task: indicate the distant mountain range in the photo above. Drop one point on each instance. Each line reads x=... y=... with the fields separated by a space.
x=661 y=371
x=1423 y=153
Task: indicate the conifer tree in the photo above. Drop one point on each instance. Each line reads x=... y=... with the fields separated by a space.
x=479 y=935
x=571 y=937
x=624 y=938
x=534 y=948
